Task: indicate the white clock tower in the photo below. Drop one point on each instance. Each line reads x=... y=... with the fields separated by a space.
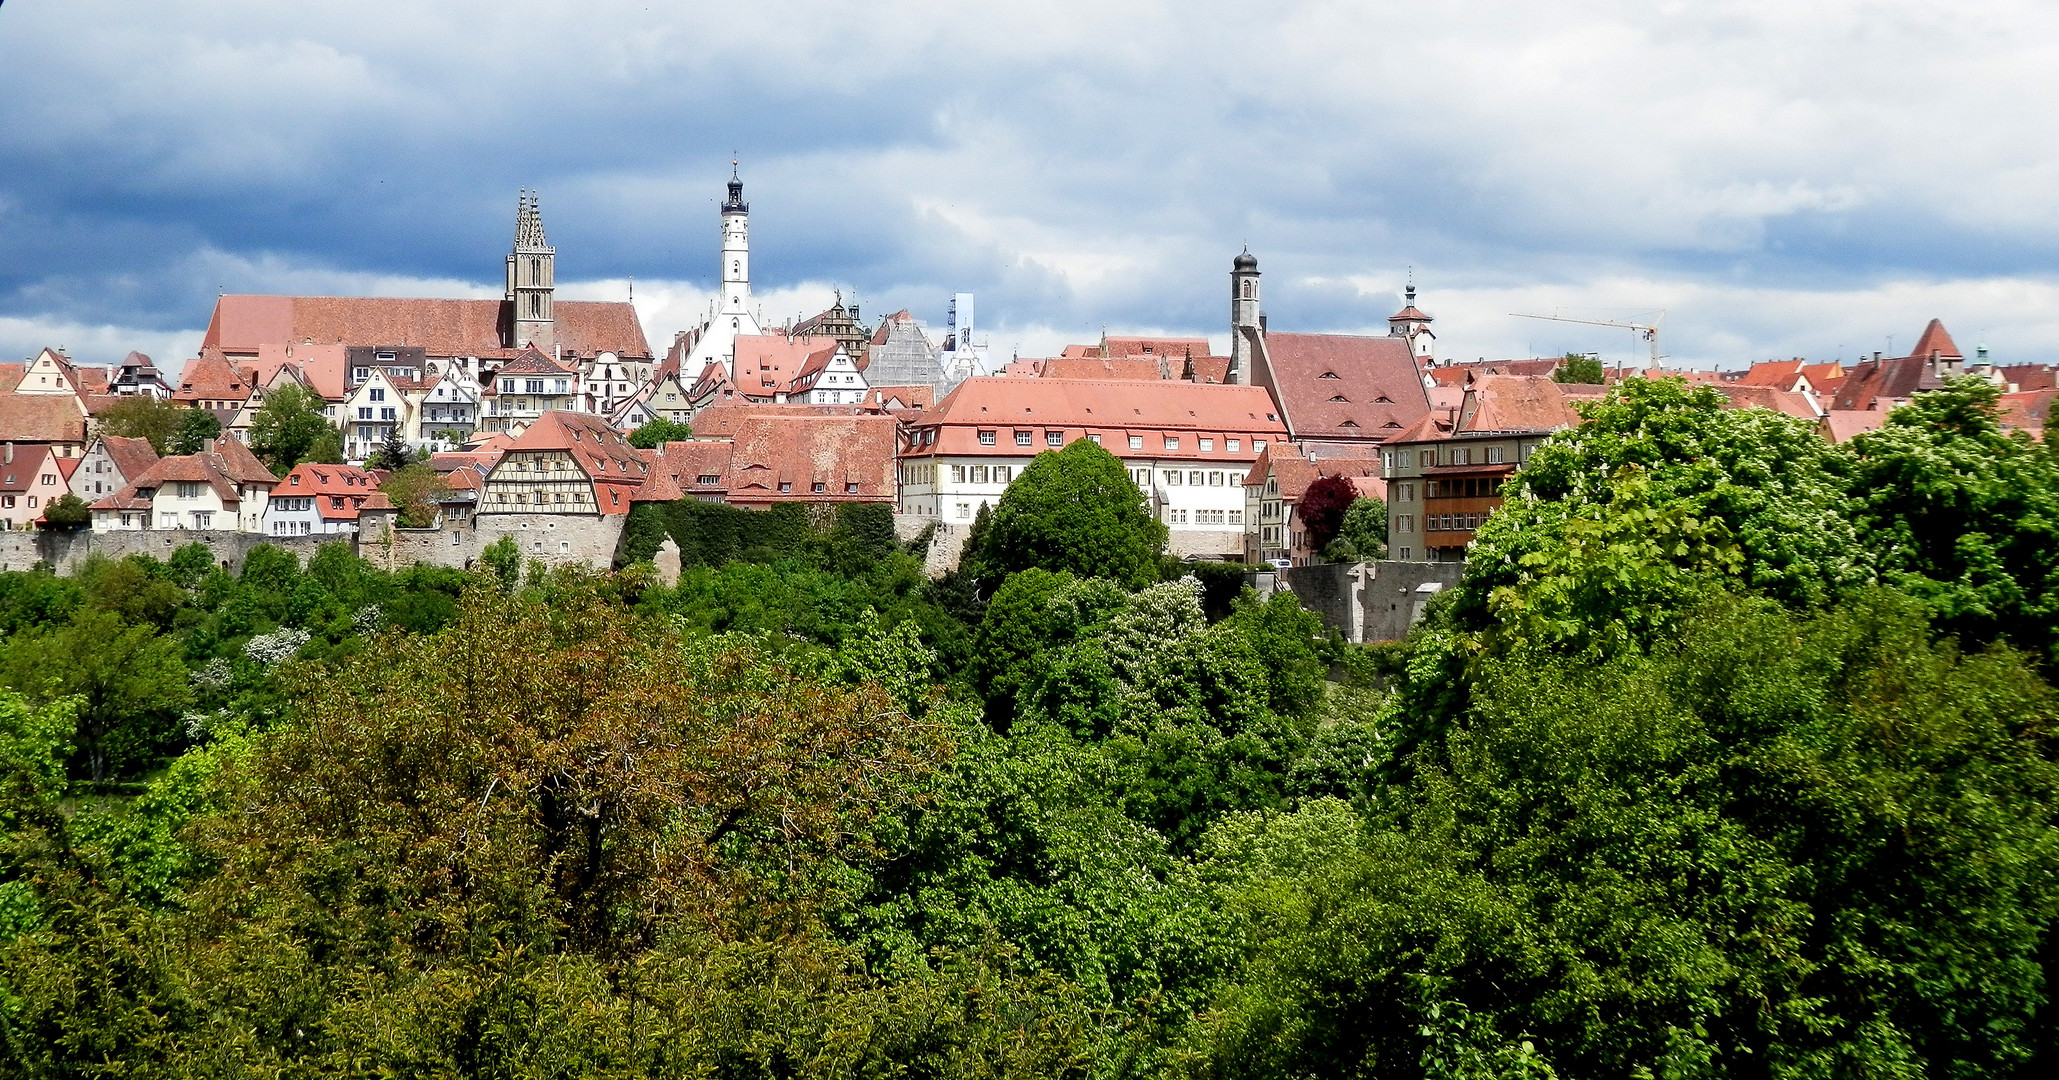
x=731 y=313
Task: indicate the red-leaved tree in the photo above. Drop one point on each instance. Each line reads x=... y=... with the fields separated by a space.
x=1322 y=507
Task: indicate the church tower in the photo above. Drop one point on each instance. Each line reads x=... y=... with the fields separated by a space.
x=1246 y=327
x=735 y=303
x=532 y=276
x=1411 y=325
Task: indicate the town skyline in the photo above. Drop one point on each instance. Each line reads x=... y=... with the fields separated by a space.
x=1743 y=172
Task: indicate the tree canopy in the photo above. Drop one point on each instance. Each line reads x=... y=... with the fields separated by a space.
x=142 y=416
x=196 y=429
x=1580 y=368
x=289 y=428
x=659 y=432
x=1074 y=510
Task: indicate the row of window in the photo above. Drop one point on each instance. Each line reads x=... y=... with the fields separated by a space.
x=1476 y=487
x=1457 y=455
x=535 y=386
x=991 y=437
x=1204 y=517
x=1452 y=522
x=290 y=528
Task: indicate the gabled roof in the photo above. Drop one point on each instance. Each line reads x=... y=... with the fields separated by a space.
x=1936 y=342
x=2030 y=376
x=678 y=469
x=892 y=398
x=529 y=361
x=599 y=450
x=20 y=475
x=240 y=465
x=205 y=468
x=1291 y=468
x=210 y=377
x=129 y=456
x=1339 y=386
x=440 y=327
x=1779 y=374
x=328 y=483
x=1173 y=348
x=11 y=376
x=723 y=421
x=1512 y=403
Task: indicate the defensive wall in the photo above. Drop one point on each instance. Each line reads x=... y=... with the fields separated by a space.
x=64 y=552
x=552 y=539
x=1371 y=601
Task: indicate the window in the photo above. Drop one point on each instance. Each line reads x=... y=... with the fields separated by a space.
x=1236 y=517
x=786 y=485
x=964 y=510
x=32 y=502
x=387 y=414
x=1003 y=473
x=986 y=438
x=1022 y=438
x=1494 y=455
x=1405 y=523
x=850 y=489
x=1215 y=479
x=1230 y=445
x=1404 y=554
x=507 y=386
x=203 y=519
x=1054 y=438
x=49 y=480
x=1136 y=442
x=816 y=487
x=1172 y=442
x=1257 y=446
x=376 y=394
x=957 y=474
x=1208 y=444
x=364 y=413
x=1196 y=479
x=189 y=490
x=360 y=374
x=1095 y=439
x=335 y=502
x=1426 y=458
x=532 y=386
x=979 y=474
x=563 y=386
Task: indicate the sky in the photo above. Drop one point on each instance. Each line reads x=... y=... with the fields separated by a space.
x=1792 y=178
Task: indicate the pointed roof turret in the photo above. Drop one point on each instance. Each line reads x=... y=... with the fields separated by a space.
x=1936 y=342
x=529 y=223
x=735 y=203
x=1408 y=312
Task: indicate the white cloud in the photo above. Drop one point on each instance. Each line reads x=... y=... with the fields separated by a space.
x=1781 y=175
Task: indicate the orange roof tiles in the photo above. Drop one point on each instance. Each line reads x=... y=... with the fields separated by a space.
x=1076 y=408
x=42 y=418
x=1337 y=386
x=241 y=324
x=340 y=491
x=813 y=458
x=130 y=456
x=210 y=377
x=1768 y=397
x=1514 y=403
x=1096 y=367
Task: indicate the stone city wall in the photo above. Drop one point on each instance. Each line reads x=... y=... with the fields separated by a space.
x=553 y=539
x=65 y=552
x=1375 y=601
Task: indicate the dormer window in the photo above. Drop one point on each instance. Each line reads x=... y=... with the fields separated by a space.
x=1328 y=375
x=1339 y=397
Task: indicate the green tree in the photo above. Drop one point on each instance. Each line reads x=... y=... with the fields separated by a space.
x=1364 y=529
x=196 y=430
x=415 y=488
x=1322 y=507
x=1580 y=368
x=1746 y=853
x=130 y=685
x=659 y=432
x=1963 y=516
x=144 y=417
x=289 y=428
x=327 y=449
x=67 y=511
x=1074 y=510
x=1607 y=529
x=393 y=454
x=503 y=558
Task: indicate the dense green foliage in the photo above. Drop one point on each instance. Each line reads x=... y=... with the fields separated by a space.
x=142 y=416
x=659 y=432
x=289 y=428
x=195 y=430
x=1580 y=368
x=1073 y=510
x=1729 y=756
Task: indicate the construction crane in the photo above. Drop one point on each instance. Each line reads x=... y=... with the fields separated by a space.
x=1649 y=331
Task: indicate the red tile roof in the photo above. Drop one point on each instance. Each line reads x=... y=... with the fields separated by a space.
x=130 y=456
x=2028 y=410
x=852 y=458
x=1839 y=425
x=723 y=421
x=1767 y=397
x=211 y=468
x=600 y=451
x=678 y=469
x=242 y=466
x=1935 y=342
x=890 y=398
x=42 y=418
x=19 y=475
x=441 y=327
x=1515 y=403
x=328 y=484
x=211 y=377
x=528 y=361
x=2030 y=376
x=1337 y=386
x=1076 y=408
x=1779 y=374
x=1095 y=367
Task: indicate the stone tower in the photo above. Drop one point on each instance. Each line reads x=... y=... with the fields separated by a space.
x=1411 y=325
x=532 y=275
x=1246 y=326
